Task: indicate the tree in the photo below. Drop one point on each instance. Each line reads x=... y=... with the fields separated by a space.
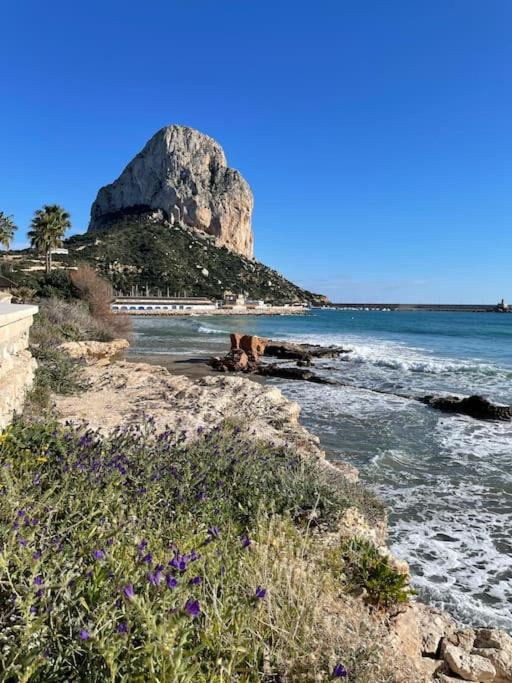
x=48 y=227
x=7 y=230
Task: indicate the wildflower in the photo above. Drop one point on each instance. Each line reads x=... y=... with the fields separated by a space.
x=99 y=555
x=261 y=593
x=148 y=558
x=84 y=635
x=33 y=610
x=129 y=591
x=171 y=581
x=36 y=555
x=246 y=541
x=196 y=581
x=122 y=627
x=142 y=545
x=213 y=532
x=179 y=562
x=339 y=671
x=192 y=608
x=155 y=578
x=38 y=580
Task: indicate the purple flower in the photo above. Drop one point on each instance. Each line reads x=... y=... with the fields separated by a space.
x=38 y=580
x=246 y=541
x=261 y=593
x=171 y=581
x=122 y=627
x=339 y=671
x=99 y=554
x=84 y=635
x=36 y=555
x=179 y=562
x=213 y=533
x=192 y=608
x=142 y=545
x=128 y=591
x=148 y=558
x=155 y=578
x=33 y=610
x=196 y=581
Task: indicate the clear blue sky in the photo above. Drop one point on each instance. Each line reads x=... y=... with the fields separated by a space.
x=376 y=135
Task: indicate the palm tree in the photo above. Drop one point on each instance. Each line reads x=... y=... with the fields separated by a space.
x=7 y=230
x=48 y=227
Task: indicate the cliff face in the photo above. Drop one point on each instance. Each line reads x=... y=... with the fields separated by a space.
x=184 y=175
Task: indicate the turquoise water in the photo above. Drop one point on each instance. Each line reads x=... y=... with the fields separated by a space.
x=446 y=479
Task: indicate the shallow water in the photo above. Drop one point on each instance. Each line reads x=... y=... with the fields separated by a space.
x=447 y=480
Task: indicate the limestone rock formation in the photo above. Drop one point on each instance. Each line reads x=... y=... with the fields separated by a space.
x=182 y=175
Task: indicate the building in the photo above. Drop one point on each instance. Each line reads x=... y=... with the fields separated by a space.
x=134 y=304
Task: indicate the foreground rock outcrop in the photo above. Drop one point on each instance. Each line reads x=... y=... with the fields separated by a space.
x=182 y=175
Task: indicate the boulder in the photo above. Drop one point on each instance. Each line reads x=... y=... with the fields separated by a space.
x=469 y=667
x=474 y=406
x=496 y=646
x=95 y=352
x=235 y=361
x=182 y=175
x=253 y=346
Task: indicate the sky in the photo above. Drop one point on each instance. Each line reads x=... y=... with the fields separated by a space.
x=376 y=136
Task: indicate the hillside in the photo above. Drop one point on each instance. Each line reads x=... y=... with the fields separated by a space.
x=138 y=251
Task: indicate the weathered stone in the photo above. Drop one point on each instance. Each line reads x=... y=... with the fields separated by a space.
x=182 y=175
x=468 y=666
x=235 y=361
x=444 y=678
x=253 y=346
x=463 y=638
x=474 y=406
x=17 y=366
x=94 y=352
x=496 y=646
x=433 y=626
x=432 y=666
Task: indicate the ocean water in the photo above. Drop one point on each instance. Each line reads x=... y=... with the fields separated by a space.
x=446 y=479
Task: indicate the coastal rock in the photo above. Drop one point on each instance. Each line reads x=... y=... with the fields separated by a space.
x=468 y=666
x=253 y=346
x=274 y=370
x=182 y=175
x=292 y=351
x=94 y=352
x=474 y=406
x=235 y=361
x=496 y=646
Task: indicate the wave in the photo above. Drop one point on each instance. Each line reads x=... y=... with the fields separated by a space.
x=205 y=329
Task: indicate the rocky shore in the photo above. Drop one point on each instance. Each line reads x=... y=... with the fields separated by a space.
x=120 y=393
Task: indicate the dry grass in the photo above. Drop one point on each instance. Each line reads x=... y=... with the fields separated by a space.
x=310 y=623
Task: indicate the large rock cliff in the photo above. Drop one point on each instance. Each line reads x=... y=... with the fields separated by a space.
x=183 y=174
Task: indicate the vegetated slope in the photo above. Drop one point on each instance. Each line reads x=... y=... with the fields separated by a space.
x=134 y=251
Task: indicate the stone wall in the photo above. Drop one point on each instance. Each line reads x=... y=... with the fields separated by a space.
x=17 y=366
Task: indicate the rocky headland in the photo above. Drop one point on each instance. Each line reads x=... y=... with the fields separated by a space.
x=428 y=645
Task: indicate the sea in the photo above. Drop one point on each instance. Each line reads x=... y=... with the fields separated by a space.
x=446 y=479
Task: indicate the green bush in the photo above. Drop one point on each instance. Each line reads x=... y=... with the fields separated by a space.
x=368 y=571
x=137 y=557
x=56 y=373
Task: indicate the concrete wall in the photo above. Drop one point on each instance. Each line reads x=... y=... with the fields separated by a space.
x=17 y=366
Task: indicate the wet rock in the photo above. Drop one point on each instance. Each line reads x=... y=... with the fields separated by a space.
x=474 y=406
x=292 y=351
x=305 y=362
x=274 y=370
x=468 y=666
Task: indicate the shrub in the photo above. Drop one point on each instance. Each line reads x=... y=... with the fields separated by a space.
x=368 y=571
x=137 y=557
x=97 y=292
x=56 y=373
